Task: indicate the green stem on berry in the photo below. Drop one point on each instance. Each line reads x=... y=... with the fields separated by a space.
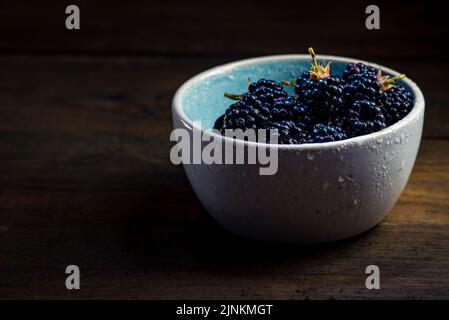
x=317 y=71
x=232 y=96
x=396 y=78
x=385 y=82
x=313 y=55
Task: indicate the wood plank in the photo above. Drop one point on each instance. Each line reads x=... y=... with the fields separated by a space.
x=93 y=93
x=85 y=179
x=414 y=29
x=136 y=230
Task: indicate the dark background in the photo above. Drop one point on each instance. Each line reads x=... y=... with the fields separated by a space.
x=85 y=176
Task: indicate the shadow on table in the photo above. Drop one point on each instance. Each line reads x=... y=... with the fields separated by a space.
x=194 y=241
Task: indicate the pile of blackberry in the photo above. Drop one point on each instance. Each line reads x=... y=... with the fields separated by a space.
x=324 y=108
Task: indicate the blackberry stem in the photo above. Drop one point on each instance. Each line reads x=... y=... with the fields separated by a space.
x=396 y=78
x=290 y=83
x=385 y=82
x=313 y=55
x=317 y=71
x=232 y=96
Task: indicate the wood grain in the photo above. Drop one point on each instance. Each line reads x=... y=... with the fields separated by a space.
x=85 y=179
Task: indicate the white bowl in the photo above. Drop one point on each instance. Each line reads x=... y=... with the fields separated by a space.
x=321 y=192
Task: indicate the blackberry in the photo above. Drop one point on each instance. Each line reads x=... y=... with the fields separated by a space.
x=255 y=108
x=319 y=90
x=288 y=132
x=326 y=133
x=263 y=89
x=247 y=112
x=252 y=110
x=291 y=108
x=353 y=70
x=362 y=83
x=267 y=90
x=365 y=116
x=396 y=100
x=363 y=87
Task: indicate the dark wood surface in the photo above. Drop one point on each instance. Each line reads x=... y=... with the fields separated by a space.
x=85 y=176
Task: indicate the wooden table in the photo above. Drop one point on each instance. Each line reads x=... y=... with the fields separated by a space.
x=85 y=176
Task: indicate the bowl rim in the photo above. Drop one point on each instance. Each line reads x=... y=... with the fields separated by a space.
x=417 y=110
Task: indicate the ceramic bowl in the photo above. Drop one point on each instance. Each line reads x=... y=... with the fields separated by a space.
x=321 y=192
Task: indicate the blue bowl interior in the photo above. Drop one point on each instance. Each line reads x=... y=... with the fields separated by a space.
x=204 y=101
